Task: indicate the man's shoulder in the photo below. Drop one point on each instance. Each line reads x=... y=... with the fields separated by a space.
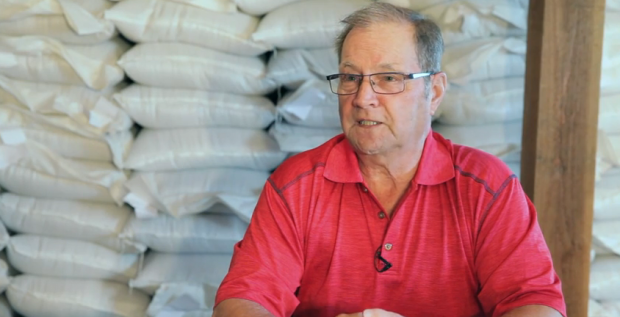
x=303 y=164
x=480 y=168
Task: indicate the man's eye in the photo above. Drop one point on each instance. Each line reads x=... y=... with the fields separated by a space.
x=350 y=78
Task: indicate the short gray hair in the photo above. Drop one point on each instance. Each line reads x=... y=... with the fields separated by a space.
x=428 y=39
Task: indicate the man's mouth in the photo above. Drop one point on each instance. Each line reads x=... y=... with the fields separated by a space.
x=368 y=122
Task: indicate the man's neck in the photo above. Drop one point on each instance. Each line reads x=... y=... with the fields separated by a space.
x=399 y=166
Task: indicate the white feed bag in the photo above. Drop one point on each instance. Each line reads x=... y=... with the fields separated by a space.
x=260 y=7
x=605 y=233
x=72 y=22
x=4 y=236
x=191 y=269
x=416 y=5
x=176 y=149
x=609 y=113
x=610 y=62
x=292 y=138
x=482 y=102
x=500 y=139
x=74 y=108
x=98 y=223
x=613 y=5
x=144 y=21
x=291 y=68
x=596 y=309
x=465 y=20
x=54 y=257
x=34 y=296
x=4 y=277
x=112 y=148
x=306 y=24
x=30 y=169
x=183 y=300
x=213 y=5
x=605 y=278
x=485 y=59
x=42 y=59
x=166 y=108
x=608 y=147
x=177 y=65
x=311 y=105
x=189 y=192
x=5 y=307
x=607 y=196
x=205 y=233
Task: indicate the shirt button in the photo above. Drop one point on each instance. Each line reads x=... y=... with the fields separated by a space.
x=364 y=189
x=388 y=246
x=381 y=215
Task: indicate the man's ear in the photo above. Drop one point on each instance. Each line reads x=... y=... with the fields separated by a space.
x=439 y=85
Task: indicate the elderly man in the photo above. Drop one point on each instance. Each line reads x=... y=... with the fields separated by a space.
x=391 y=219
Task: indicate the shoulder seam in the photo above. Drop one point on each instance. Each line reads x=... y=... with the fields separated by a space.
x=495 y=196
x=476 y=179
x=299 y=177
x=271 y=182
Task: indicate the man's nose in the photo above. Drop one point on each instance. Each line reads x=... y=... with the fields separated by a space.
x=365 y=96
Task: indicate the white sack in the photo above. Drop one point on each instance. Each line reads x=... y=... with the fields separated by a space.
x=205 y=233
x=54 y=297
x=500 y=139
x=607 y=196
x=4 y=278
x=74 y=108
x=213 y=5
x=32 y=170
x=605 y=234
x=176 y=149
x=291 y=68
x=608 y=147
x=162 y=108
x=596 y=309
x=260 y=7
x=4 y=236
x=292 y=138
x=484 y=59
x=183 y=300
x=189 y=192
x=605 y=278
x=73 y=22
x=41 y=59
x=107 y=148
x=306 y=24
x=610 y=62
x=144 y=21
x=483 y=102
x=609 y=113
x=98 y=223
x=177 y=65
x=311 y=105
x=5 y=308
x=613 y=5
x=416 y=5
x=466 y=20
x=189 y=269
x=54 y=257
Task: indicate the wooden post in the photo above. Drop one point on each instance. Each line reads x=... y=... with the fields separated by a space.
x=562 y=85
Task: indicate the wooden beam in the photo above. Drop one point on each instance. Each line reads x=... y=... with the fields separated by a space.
x=559 y=132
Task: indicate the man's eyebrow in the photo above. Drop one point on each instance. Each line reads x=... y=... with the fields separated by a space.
x=387 y=66
x=348 y=65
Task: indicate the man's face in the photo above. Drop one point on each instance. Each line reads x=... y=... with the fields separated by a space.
x=402 y=120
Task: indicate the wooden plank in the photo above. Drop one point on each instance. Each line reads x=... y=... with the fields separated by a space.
x=559 y=132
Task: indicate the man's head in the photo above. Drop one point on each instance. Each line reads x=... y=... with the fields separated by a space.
x=384 y=38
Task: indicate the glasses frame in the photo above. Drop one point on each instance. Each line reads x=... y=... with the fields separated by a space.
x=361 y=77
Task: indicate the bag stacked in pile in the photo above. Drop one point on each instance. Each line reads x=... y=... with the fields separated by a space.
x=63 y=141
x=203 y=154
x=605 y=269
x=484 y=60
x=303 y=34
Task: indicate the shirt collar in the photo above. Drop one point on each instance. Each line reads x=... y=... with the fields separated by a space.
x=435 y=167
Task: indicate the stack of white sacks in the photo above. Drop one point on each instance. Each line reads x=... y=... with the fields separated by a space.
x=62 y=144
x=605 y=269
x=485 y=46
x=203 y=154
x=303 y=34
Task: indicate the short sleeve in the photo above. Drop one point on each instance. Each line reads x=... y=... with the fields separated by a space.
x=512 y=261
x=267 y=264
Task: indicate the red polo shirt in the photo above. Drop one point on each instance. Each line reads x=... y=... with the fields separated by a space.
x=463 y=241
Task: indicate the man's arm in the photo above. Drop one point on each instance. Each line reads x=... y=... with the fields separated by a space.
x=533 y=311
x=235 y=307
